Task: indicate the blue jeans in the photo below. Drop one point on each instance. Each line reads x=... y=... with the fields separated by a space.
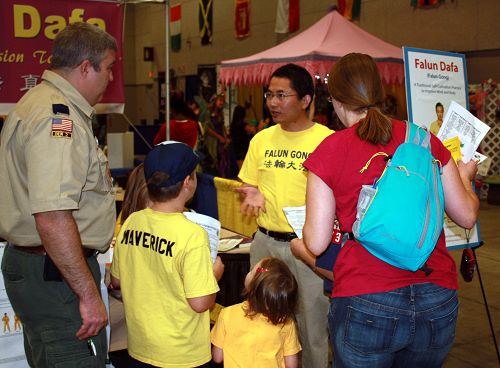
x=413 y=326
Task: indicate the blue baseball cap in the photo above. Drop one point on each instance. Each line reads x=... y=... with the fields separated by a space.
x=176 y=159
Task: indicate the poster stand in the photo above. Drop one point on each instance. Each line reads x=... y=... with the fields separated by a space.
x=436 y=78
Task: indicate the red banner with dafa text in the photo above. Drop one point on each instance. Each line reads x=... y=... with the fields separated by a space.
x=27 y=30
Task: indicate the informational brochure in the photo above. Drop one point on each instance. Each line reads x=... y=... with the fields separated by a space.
x=211 y=226
x=296 y=217
x=484 y=164
x=458 y=122
x=479 y=158
x=11 y=333
x=229 y=243
x=453 y=145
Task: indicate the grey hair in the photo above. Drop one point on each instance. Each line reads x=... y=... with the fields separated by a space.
x=78 y=42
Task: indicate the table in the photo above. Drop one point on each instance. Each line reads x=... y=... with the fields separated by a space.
x=236 y=267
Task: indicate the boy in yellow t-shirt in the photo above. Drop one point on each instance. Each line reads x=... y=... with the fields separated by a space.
x=162 y=264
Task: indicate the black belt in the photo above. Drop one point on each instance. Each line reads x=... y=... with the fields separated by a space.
x=276 y=235
x=39 y=250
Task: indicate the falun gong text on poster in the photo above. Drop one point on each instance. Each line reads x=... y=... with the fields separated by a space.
x=433 y=77
x=28 y=28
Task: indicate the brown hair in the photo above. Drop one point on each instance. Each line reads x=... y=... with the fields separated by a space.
x=136 y=194
x=273 y=293
x=355 y=82
x=157 y=193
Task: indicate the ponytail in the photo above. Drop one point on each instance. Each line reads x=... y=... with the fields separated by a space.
x=355 y=82
x=375 y=128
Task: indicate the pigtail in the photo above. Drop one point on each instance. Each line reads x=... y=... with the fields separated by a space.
x=272 y=292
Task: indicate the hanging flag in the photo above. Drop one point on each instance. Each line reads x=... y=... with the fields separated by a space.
x=205 y=21
x=350 y=9
x=242 y=18
x=175 y=27
x=287 y=16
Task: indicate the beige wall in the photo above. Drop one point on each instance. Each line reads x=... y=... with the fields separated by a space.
x=464 y=26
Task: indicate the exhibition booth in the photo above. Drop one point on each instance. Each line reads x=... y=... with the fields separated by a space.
x=317 y=48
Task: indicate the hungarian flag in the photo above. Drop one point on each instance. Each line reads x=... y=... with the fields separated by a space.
x=287 y=16
x=350 y=9
x=205 y=21
x=242 y=18
x=175 y=27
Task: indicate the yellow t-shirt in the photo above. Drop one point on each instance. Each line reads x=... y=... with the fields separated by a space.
x=253 y=342
x=435 y=126
x=161 y=259
x=118 y=225
x=274 y=164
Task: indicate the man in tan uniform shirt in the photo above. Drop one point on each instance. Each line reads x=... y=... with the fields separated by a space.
x=56 y=200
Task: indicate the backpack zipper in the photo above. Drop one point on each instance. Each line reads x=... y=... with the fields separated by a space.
x=427 y=206
x=438 y=202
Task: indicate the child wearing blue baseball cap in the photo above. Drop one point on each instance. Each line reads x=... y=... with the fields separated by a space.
x=162 y=264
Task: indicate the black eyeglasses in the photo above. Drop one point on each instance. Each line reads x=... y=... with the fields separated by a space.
x=279 y=95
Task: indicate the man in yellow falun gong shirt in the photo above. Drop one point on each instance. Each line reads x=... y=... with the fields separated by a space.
x=274 y=178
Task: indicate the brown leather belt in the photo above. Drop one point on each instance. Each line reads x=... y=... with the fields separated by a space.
x=39 y=250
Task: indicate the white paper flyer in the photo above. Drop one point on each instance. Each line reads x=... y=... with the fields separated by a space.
x=458 y=122
x=211 y=226
x=296 y=217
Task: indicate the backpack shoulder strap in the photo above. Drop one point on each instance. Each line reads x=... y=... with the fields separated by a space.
x=417 y=135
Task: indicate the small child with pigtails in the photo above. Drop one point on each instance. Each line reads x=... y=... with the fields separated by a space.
x=261 y=331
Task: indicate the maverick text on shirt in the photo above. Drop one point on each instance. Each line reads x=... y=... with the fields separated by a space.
x=147 y=240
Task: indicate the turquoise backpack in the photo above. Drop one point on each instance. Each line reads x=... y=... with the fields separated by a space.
x=400 y=216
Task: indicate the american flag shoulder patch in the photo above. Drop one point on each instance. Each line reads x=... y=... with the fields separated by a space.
x=62 y=128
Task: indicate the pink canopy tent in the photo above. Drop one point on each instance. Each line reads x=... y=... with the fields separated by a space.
x=316 y=49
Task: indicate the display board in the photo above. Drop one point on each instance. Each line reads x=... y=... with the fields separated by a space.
x=433 y=77
x=433 y=80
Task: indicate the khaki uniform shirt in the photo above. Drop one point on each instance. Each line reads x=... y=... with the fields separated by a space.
x=49 y=161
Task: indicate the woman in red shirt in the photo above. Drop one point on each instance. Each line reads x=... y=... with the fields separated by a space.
x=380 y=315
x=182 y=128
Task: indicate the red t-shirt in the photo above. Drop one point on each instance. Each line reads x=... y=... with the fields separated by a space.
x=337 y=161
x=185 y=131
